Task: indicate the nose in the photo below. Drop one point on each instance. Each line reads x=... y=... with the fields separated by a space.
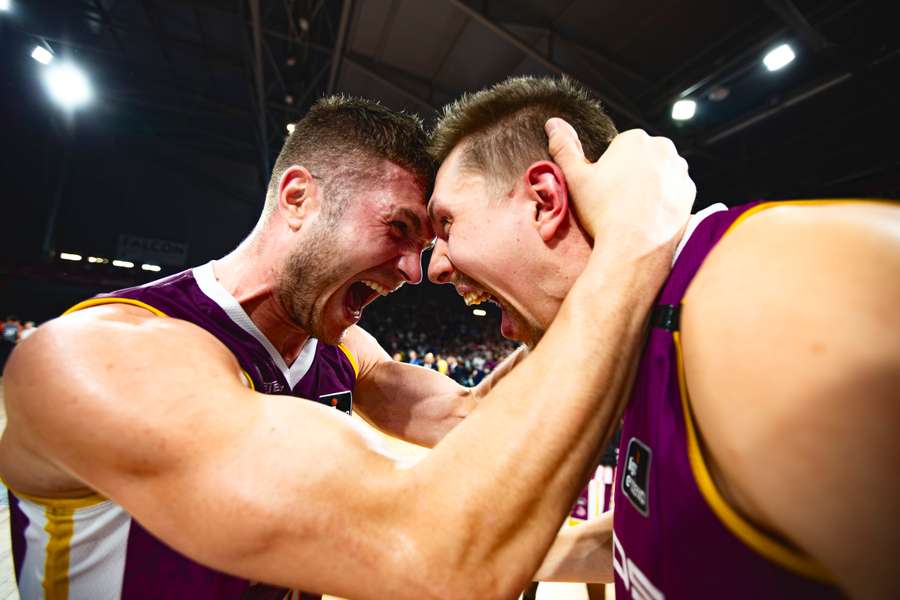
x=440 y=269
x=410 y=266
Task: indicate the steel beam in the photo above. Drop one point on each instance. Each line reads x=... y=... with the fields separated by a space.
x=338 y=54
x=260 y=86
x=548 y=64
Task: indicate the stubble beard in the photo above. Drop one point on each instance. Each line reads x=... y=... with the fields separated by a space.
x=308 y=271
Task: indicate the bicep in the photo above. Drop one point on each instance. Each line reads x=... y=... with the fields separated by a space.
x=273 y=488
x=280 y=489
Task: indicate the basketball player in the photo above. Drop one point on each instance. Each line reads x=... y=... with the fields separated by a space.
x=760 y=453
x=158 y=447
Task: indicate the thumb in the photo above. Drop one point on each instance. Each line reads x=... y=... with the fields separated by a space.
x=564 y=146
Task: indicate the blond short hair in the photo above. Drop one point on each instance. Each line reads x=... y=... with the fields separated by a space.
x=502 y=127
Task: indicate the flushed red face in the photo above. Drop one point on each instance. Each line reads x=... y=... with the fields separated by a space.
x=342 y=264
x=485 y=244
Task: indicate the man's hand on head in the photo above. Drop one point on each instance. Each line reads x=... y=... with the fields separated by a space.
x=636 y=198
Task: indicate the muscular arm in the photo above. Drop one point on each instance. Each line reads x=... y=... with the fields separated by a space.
x=151 y=413
x=412 y=403
x=581 y=554
x=792 y=354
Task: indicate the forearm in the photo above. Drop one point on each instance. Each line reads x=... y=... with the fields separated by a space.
x=542 y=427
x=581 y=554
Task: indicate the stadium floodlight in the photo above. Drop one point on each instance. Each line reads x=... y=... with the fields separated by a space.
x=125 y=264
x=779 y=57
x=68 y=85
x=684 y=110
x=99 y=260
x=479 y=312
x=42 y=55
x=290 y=128
x=69 y=256
x=5 y=5
x=153 y=268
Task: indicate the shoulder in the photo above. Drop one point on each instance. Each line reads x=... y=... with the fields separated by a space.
x=94 y=353
x=799 y=272
x=365 y=349
x=791 y=302
x=791 y=343
x=99 y=330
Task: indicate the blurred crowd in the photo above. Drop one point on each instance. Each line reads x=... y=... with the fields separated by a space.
x=426 y=332
x=12 y=333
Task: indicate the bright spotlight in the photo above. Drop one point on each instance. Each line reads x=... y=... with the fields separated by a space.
x=684 y=110
x=153 y=268
x=125 y=264
x=42 y=55
x=5 y=5
x=69 y=256
x=779 y=57
x=68 y=85
x=98 y=260
x=479 y=312
x=290 y=128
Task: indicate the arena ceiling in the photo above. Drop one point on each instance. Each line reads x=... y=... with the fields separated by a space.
x=192 y=99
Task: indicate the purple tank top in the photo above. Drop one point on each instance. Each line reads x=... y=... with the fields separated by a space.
x=322 y=373
x=669 y=542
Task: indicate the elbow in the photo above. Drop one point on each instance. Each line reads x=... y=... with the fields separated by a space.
x=451 y=573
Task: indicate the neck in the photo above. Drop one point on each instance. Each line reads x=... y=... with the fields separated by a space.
x=249 y=273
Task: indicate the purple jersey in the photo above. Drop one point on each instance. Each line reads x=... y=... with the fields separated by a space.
x=92 y=548
x=674 y=535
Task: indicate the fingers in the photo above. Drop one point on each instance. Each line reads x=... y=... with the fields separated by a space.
x=564 y=146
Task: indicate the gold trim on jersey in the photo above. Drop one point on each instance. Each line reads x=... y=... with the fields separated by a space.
x=114 y=300
x=763 y=544
x=57 y=503
x=740 y=527
x=60 y=528
x=764 y=205
x=351 y=358
x=249 y=380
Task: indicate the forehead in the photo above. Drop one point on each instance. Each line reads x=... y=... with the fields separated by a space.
x=455 y=185
x=390 y=188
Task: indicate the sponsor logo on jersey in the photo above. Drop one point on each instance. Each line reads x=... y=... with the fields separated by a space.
x=636 y=478
x=343 y=401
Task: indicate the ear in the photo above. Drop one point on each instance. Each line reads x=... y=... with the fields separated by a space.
x=299 y=196
x=548 y=191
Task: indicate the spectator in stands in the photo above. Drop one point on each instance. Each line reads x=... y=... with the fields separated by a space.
x=414 y=358
x=27 y=330
x=10 y=333
x=428 y=361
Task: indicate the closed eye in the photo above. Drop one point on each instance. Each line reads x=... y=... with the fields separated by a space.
x=400 y=227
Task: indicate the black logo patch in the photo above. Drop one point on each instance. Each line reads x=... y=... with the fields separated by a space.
x=343 y=401
x=636 y=477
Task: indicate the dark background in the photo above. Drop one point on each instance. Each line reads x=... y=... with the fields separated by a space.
x=192 y=99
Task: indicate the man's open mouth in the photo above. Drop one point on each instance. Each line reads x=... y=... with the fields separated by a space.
x=362 y=292
x=473 y=296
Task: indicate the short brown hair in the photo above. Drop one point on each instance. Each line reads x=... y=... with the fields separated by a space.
x=340 y=134
x=502 y=126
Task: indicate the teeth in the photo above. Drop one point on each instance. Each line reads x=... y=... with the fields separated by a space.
x=475 y=297
x=378 y=287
